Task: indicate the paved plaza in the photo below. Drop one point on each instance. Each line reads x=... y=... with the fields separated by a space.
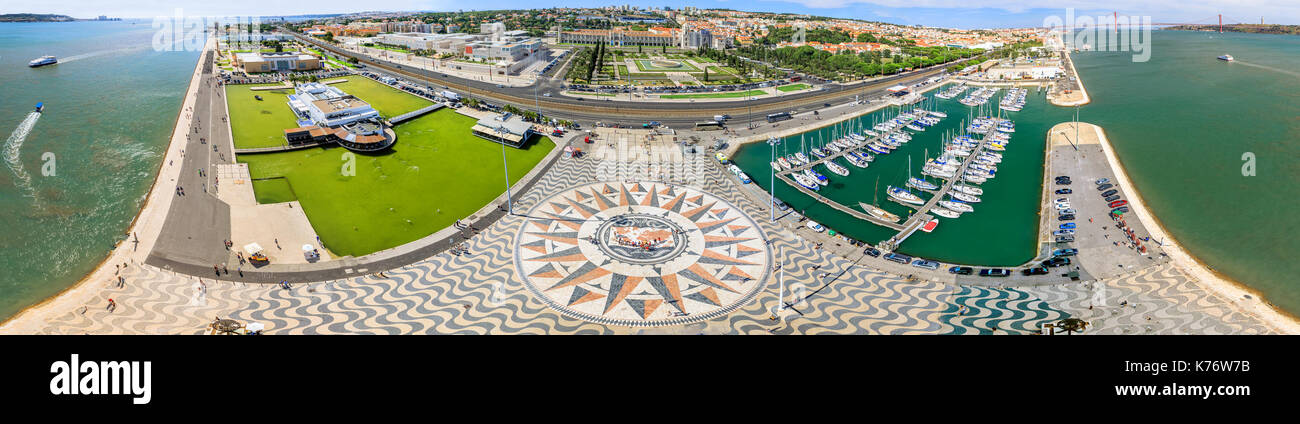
x=483 y=291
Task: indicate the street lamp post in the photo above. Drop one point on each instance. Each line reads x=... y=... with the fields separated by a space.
x=771 y=188
x=505 y=167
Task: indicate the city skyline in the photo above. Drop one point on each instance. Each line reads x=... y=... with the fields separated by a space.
x=938 y=13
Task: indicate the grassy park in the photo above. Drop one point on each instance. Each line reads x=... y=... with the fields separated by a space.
x=793 y=87
x=437 y=172
x=261 y=123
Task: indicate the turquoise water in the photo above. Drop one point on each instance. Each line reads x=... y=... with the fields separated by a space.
x=1181 y=123
x=110 y=107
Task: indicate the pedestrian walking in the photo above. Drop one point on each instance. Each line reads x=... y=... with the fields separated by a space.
x=111 y=305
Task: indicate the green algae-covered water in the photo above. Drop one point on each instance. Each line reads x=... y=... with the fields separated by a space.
x=1181 y=124
x=109 y=107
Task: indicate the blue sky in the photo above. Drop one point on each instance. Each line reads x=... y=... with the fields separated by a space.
x=947 y=13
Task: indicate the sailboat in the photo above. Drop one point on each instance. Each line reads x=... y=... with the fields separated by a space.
x=902 y=195
x=875 y=211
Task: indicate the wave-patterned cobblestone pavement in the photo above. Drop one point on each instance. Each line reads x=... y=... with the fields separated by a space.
x=479 y=293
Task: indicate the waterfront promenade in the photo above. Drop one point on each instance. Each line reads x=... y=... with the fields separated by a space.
x=829 y=289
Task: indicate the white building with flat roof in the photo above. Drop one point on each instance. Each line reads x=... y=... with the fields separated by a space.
x=328 y=106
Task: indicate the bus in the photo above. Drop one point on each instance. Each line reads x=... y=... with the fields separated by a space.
x=707 y=126
x=777 y=117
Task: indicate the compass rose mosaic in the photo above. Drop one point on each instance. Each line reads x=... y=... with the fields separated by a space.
x=641 y=254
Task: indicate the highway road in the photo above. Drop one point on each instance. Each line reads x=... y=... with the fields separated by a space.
x=676 y=115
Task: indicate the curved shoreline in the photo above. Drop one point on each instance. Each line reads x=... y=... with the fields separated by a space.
x=148 y=220
x=1231 y=290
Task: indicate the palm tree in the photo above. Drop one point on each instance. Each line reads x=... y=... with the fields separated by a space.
x=1071 y=325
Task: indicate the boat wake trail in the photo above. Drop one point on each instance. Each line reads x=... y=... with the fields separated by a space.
x=98 y=53
x=13 y=146
x=1269 y=68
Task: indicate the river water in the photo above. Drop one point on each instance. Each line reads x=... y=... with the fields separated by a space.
x=76 y=175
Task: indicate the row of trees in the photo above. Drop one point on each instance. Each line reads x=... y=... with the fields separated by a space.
x=586 y=63
x=850 y=65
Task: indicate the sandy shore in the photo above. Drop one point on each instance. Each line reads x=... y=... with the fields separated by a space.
x=145 y=228
x=1232 y=291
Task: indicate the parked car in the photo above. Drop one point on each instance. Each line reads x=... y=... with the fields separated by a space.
x=1035 y=271
x=1112 y=198
x=1118 y=203
x=872 y=252
x=1103 y=181
x=1066 y=212
x=902 y=259
x=1064 y=191
x=994 y=272
x=1066 y=217
x=1063 y=233
x=1064 y=239
x=922 y=263
x=1065 y=252
x=1109 y=193
x=1067 y=226
x=1056 y=261
x=961 y=270
x=1103 y=187
x=1062 y=206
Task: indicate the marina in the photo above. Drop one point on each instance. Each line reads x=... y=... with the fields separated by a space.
x=940 y=172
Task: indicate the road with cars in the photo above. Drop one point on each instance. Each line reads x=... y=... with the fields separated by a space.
x=672 y=114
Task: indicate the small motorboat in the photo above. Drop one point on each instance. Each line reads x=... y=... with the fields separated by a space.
x=40 y=107
x=1226 y=58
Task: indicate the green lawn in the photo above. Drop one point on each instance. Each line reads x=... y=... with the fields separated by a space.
x=387 y=100
x=793 y=87
x=728 y=94
x=273 y=190
x=436 y=173
x=261 y=123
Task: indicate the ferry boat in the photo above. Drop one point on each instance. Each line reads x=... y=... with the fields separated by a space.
x=836 y=168
x=903 y=195
x=878 y=212
x=1226 y=58
x=42 y=61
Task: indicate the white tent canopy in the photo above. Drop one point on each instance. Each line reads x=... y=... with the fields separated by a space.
x=252 y=248
x=897 y=88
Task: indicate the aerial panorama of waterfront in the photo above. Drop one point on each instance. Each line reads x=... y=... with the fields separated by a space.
x=1180 y=123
